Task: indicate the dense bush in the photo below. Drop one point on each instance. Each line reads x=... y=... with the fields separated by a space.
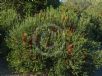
x=28 y=7
x=8 y=19
x=59 y=42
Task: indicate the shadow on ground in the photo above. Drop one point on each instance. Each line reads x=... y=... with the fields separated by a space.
x=4 y=66
x=98 y=72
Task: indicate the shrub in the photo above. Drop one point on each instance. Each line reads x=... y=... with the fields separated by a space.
x=8 y=19
x=28 y=7
x=56 y=42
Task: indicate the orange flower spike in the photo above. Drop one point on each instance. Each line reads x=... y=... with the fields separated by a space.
x=54 y=29
x=70 y=49
x=24 y=38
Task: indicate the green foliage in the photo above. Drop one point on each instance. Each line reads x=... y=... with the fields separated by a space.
x=61 y=42
x=28 y=7
x=8 y=19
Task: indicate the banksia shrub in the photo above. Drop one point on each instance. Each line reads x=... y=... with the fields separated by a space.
x=8 y=19
x=56 y=43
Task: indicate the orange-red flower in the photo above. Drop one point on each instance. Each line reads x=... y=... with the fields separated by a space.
x=52 y=28
x=24 y=38
x=70 y=49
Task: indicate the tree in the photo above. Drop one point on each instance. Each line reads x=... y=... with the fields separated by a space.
x=24 y=7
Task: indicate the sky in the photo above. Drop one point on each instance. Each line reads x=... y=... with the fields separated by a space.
x=62 y=0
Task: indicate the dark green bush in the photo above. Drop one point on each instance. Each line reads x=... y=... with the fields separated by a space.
x=8 y=19
x=28 y=7
x=58 y=42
